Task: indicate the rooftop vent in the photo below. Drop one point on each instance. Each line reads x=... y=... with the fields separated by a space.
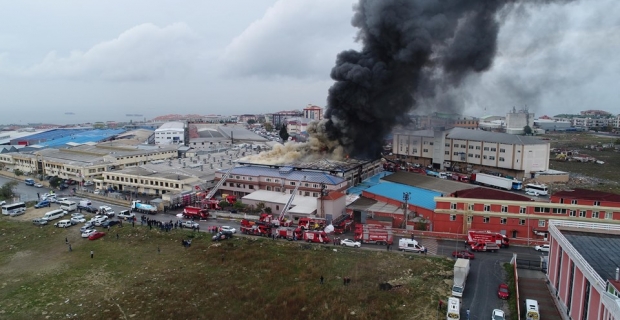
x=286 y=170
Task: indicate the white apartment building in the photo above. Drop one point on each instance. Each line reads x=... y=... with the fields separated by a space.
x=475 y=149
x=170 y=133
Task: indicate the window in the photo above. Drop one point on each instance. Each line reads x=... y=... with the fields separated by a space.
x=447 y=144
x=503 y=220
x=501 y=159
x=455 y=154
x=470 y=219
x=463 y=146
x=609 y=215
x=447 y=153
x=491 y=157
x=424 y=150
x=504 y=208
x=595 y=214
x=471 y=147
x=486 y=148
x=522 y=210
x=315 y=194
x=521 y=222
x=431 y=143
x=453 y=206
x=484 y=157
x=582 y=213
x=268 y=179
x=502 y=150
x=477 y=156
x=542 y=210
x=541 y=223
x=559 y=211
x=573 y=201
x=493 y=149
x=471 y=207
x=453 y=217
x=477 y=147
x=425 y=142
x=597 y=203
x=487 y=207
x=292 y=183
x=471 y=155
x=485 y=219
x=572 y=213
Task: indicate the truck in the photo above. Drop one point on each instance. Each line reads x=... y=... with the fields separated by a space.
x=311 y=223
x=484 y=246
x=454 y=309
x=142 y=207
x=289 y=233
x=195 y=213
x=373 y=234
x=342 y=224
x=496 y=182
x=316 y=236
x=460 y=177
x=485 y=236
x=461 y=271
x=257 y=228
x=410 y=245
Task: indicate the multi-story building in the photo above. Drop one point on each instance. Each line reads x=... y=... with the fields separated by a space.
x=279 y=118
x=583 y=269
x=313 y=112
x=247 y=117
x=514 y=155
x=296 y=126
x=517 y=120
x=578 y=196
x=172 y=133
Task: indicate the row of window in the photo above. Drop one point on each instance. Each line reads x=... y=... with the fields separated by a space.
x=571 y=213
x=143 y=182
x=574 y=201
x=502 y=220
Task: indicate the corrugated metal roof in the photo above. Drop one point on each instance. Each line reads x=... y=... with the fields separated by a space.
x=419 y=197
x=487 y=136
x=586 y=194
x=310 y=176
x=596 y=249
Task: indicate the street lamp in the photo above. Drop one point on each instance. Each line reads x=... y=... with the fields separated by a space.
x=406 y=196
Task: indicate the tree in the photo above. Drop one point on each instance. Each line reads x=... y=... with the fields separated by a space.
x=268 y=210
x=268 y=126
x=55 y=182
x=224 y=204
x=18 y=172
x=251 y=121
x=6 y=191
x=260 y=206
x=238 y=205
x=527 y=130
x=284 y=133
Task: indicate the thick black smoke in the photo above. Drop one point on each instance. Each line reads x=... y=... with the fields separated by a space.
x=412 y=50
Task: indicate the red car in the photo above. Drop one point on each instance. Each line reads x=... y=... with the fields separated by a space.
x=96 y=235
x=503 y=292
x=463 y=254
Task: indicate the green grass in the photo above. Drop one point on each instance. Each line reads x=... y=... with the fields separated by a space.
x=510 y=281
x=258 y=278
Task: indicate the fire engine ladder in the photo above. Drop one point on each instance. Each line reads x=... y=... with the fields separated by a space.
x=219 y=184
x=290 y=200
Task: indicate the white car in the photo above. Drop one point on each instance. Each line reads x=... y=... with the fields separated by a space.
x=228 y=228
x=17 y=212
x=77 y=215
x=351 y=243
x=88 y=183
x=498 y=315
x=76 y=220
x=543 y=248
x=190 y=224
x=532 y=193
x=2 y=203
x=88 y=232
x=97 y=191
x=38 y=185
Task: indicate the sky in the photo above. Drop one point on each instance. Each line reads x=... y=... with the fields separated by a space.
x=101 y=60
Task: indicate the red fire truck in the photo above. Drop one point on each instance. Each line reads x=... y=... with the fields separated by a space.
x=311 y=223
x=378 y=234
x=485 y=236
x=195 y=212
x=342 y=224
x=316 y=236
x=289 y=233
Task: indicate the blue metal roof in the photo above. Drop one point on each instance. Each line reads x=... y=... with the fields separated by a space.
x=419 y=197
x=376 y=179
x=314 y=177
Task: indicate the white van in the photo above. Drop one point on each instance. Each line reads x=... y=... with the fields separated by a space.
x=454 y=309
x=54 y=214
x=63 y=224
x=68 y=205
x=531 y=310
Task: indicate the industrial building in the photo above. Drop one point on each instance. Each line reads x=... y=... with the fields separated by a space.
x=583 y=272
x=517 y=120
x=175 y=132
x=467 y=150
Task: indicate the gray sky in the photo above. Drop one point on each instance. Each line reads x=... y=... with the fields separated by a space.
x=103 y=59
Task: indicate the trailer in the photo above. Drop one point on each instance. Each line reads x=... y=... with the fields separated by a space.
x=496 y=182
x=485 y=236
x=461 y=270
x=142 y=207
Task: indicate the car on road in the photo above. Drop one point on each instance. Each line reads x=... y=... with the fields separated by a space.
x=543 y=248
x=190 y=224
x=43 y=204
x=97 y=191
x=531 y=193
x=351 y=243
x=464 y=254
x=38 y=185
x=89 y=209
x=86 y=233
x=498 y=315
x=88 y=183
x=125 y=214
x=17 y=212
x=76 y=220
x=106 y=211
x=96 y=235
x=62 y=199
x=503 y=292
x=228 y=228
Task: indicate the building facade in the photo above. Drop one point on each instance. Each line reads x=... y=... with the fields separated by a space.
x=171 y=133
x=313 y=112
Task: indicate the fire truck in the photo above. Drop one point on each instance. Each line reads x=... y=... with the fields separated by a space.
x=499 y=239
x=316 y=236
x=289 y=233
x=378 y=234
x=311 y=223
x=195 y=213
x=484 y=246
x=342 y=224
x=257 y=228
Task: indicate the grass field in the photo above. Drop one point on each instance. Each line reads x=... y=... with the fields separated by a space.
x=242 y=278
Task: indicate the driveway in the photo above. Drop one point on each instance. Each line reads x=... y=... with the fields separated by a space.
x=532 y=285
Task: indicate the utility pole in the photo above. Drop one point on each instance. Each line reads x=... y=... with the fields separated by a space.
x=406 y=196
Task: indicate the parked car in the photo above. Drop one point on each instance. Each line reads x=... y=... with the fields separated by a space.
x=498 y=315
x=77 y=215
x=43 y=204
x=106 y=211
x=532 y=193
x=39 y=222
x=63 y=224
x=62 y=199
x=88 y=183
x=17 y=212
x=125 y=214
x=96 y=235
x=76 y=220
x=503 y=292
x=86 y=233
x=228 y=228
x=351 y=243
x=97 y=191
x=38 y=185
x=463 y=254
x=86 y=226
x=222 y=235
x=110 y=223
x=89 y=209
x=190 y=224
x=543 y=248
x=2 y=203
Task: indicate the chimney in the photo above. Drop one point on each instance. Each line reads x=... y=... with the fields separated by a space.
x=617 y=274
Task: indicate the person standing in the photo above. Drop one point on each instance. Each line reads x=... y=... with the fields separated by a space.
x=92 y=254
x=321 y=279
x=70 y=249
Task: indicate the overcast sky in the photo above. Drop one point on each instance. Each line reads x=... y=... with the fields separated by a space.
x=104 y=59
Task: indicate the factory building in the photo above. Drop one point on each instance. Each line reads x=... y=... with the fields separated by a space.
x=172 y=133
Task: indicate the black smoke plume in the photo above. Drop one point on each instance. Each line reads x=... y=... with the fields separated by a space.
x=413 y=50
